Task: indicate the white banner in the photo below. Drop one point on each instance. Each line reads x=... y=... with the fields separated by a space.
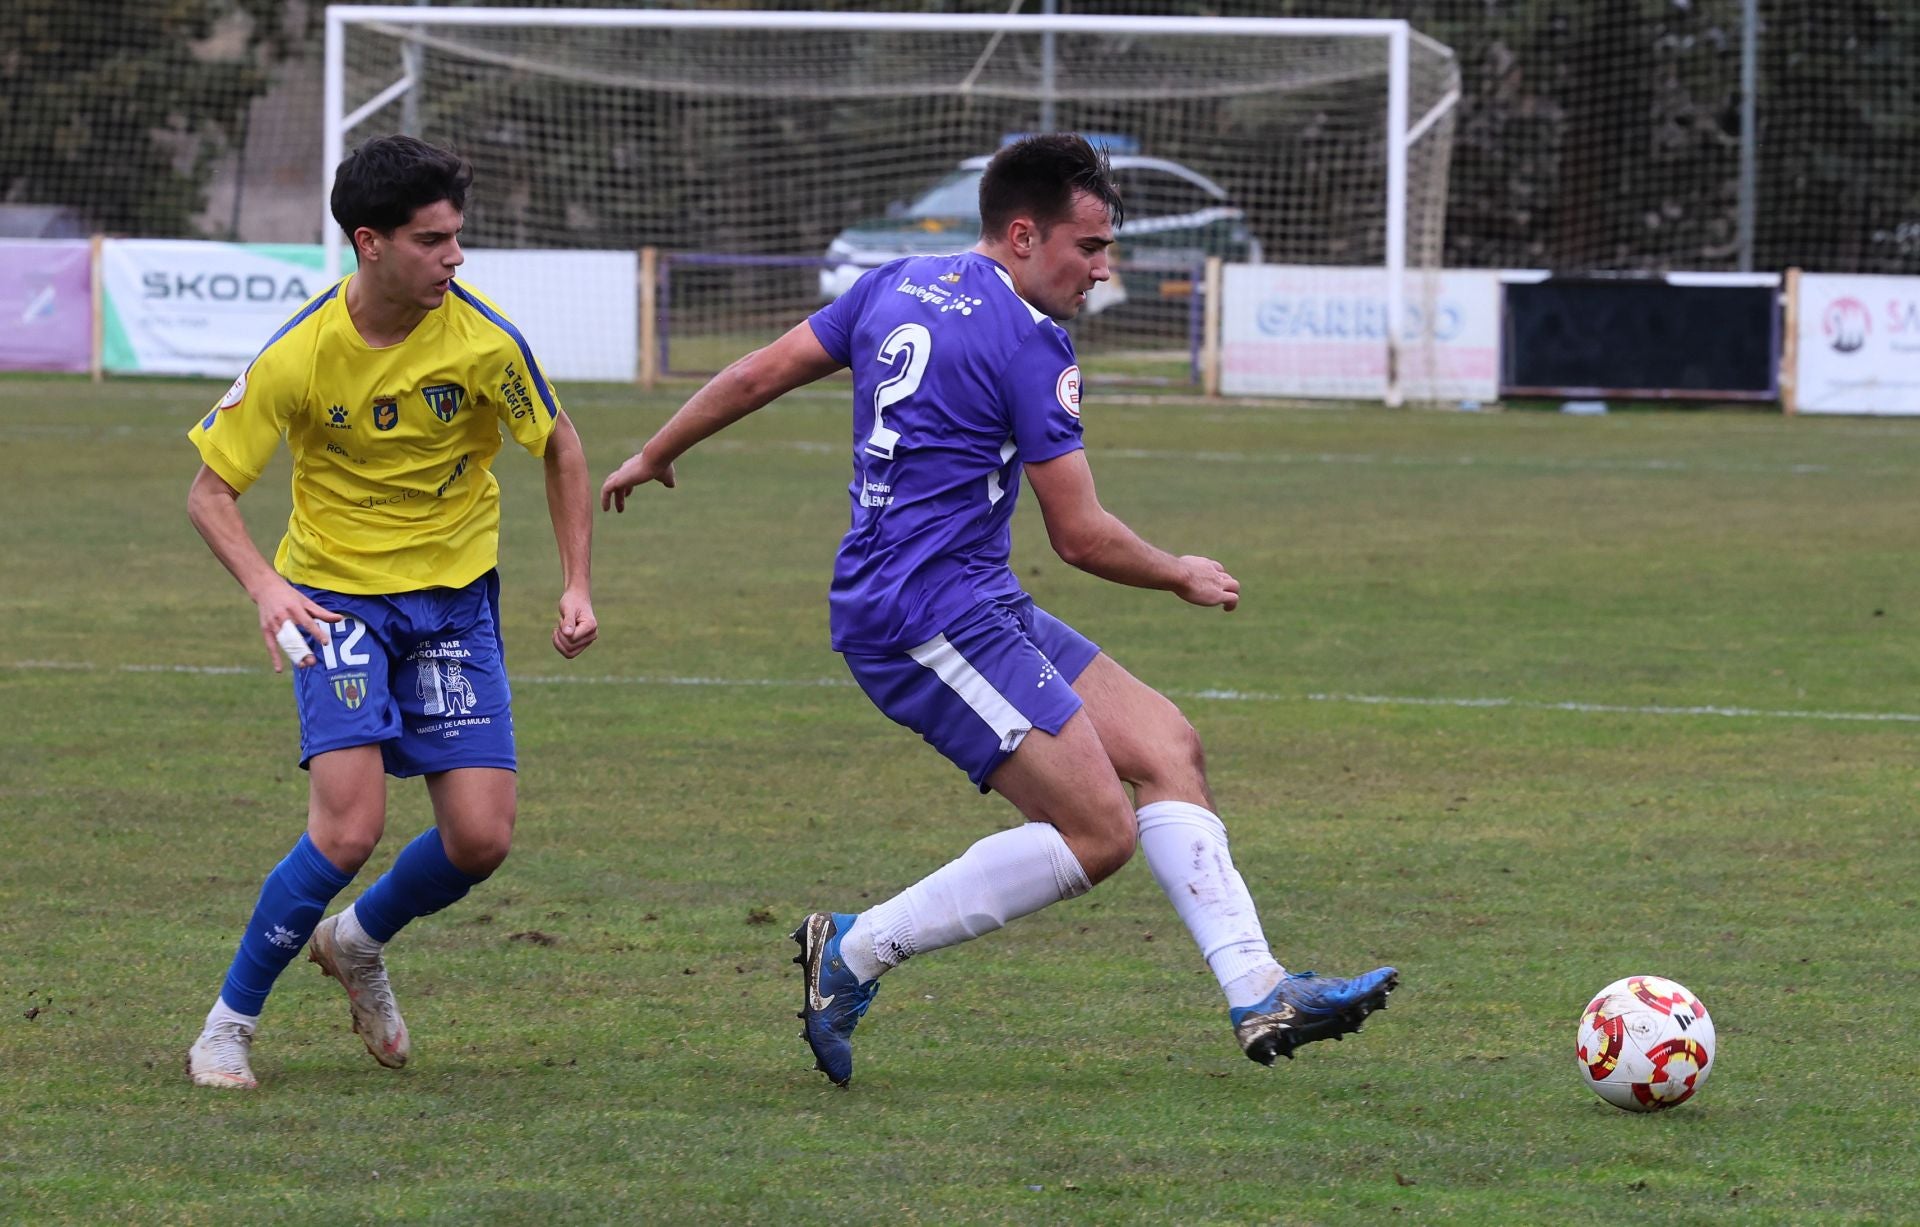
x=579 y=310
x=1319 y=331
x=1857 y=345
x=184 y=307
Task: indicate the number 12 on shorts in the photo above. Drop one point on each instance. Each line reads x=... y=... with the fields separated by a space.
x=354 y=630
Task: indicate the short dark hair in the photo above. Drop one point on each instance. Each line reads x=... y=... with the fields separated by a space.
x=1037 y=176
x=386 y=181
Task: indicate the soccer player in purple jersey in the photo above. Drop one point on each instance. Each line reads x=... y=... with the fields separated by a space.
x=964 y=383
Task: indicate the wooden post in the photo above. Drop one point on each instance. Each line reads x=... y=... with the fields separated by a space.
x=1210 y=332
x=97 y=363
x=1790 y=345
x=649 y=324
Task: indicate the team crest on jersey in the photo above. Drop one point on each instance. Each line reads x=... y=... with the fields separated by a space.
x=445 y=399
x=350 y=689
x=386 y=413
x=1067 y=388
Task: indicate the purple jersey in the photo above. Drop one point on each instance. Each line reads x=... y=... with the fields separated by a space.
x=956 y=383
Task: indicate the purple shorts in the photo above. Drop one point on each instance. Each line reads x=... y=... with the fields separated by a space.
x=976 y=689
x=420 y=674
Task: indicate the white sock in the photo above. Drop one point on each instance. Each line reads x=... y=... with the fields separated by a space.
x=1003 y=877
x=349 y=933
x=1186 y=847
x=222 y=1012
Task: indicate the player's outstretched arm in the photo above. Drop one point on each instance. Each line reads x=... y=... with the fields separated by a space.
x=214 y=508
x=750 y=383
x=570 y=507
x=1088 y=536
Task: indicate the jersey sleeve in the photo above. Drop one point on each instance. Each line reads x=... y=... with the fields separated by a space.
x=1041 y=389
x=833 y=324
x=239 y=435
x=525 y=402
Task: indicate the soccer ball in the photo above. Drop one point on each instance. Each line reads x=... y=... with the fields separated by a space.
x=1645 y=1044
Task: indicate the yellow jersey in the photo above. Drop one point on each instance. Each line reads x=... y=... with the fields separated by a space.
x=393 y=448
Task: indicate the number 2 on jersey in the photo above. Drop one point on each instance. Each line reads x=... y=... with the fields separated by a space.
x=917 y=343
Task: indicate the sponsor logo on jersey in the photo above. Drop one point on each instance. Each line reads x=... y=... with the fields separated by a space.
x=445 y=399
x=337 y=417
x=386 y=413
x=350 y=689
x=934 y=295
x=1067 y=388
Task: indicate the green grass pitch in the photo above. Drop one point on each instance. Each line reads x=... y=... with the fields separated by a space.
x=1518 y=702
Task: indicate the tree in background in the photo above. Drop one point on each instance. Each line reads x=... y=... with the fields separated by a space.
x=118 y=108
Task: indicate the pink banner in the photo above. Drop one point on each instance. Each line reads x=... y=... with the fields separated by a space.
x=46 y=305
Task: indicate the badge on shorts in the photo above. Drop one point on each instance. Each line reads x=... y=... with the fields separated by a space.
x=1067 y=388
x=351 y=689
x=386 y=413
x=444 y=399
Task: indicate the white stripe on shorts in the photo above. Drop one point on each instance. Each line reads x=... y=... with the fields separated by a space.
x=973 y=687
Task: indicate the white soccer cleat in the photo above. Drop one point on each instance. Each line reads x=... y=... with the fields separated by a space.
x=376 y=1017
x=219 y=1058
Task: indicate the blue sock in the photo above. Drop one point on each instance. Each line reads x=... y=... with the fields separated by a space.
x=421 y=882
x=291 y=902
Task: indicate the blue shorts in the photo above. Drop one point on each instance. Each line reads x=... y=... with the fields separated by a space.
x=420 y=674
x=975 y=690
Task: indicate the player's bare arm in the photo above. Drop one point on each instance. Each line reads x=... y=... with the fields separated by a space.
x=1088 y=536
x=570 y=506
x=748 y=384
x=214 y=508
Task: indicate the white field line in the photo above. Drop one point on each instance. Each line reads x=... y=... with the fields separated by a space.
x=1543 y=464
x=1208 y=695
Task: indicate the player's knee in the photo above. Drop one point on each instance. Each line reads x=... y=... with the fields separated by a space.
x=347 y=846
x=1173 y=757
x=478 y=853
x=1108 y=848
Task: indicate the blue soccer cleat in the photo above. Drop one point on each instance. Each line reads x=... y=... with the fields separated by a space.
x=835 y=1000
x=1305 y=1007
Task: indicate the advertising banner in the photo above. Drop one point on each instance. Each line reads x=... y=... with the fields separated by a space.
x=1856 y=345
x=184 y=307
x=579 y=310
x=46 y=305
x=1318 y=331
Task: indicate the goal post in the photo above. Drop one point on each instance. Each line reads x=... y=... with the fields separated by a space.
x=789 y=150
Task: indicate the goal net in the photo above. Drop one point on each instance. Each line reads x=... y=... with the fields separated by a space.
x=766 y=158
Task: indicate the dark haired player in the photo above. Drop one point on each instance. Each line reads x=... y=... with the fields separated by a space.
x=393 y=389
x=963 y=382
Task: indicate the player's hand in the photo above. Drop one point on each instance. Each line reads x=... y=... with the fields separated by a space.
x=577 y=627
x=284 y=613
x=1206 y=582
x=637 y=471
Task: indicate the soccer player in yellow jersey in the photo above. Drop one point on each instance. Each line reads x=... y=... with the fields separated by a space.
x=392 y=390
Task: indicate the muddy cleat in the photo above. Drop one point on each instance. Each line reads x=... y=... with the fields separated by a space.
x=1305 y=1007
x=219 y=1058
x=376 y=1018
x=835 y=1000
